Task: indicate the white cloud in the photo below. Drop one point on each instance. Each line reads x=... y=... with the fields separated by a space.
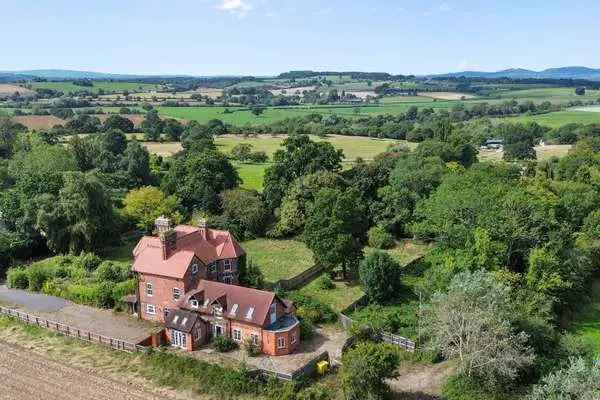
x=237 y=7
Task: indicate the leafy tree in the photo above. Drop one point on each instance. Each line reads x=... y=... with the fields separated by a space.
x=580 y=91
x=245 y=210
x=80 y=218
x=199 y=177
x=473 y=323
x=381 y=276
x=299 y=198
x=380 y=238
x=136 y=162
x=8 y=136
x=196 y=137
x=580 y=380
x=299 y=156
x=118 y=122
x=84 y=123
x=152 y=125
x=146 y=204
x=335 y=229
x=241 y=151
x=113 y=141
x=365 y=369
x=173 y=129
x=257 y=110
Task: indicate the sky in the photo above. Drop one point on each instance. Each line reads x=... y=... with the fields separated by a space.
x=266 y=37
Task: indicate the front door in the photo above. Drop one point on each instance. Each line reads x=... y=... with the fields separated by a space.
x=218 y=330
x=178 y=339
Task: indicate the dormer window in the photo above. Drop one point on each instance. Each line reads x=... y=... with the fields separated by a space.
x=194 y=268
x=176 y=293
x=250 y=313
x=194 y=303
x=227 y=265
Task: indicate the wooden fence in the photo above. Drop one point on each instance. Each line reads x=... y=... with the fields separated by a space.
x=67 y=330
x=403 y=342
x=299 y=280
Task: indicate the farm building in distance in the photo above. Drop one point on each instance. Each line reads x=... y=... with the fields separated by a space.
x=187 y=280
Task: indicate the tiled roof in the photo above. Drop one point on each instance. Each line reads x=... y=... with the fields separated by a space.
x=181 y=320
x=208 y=245
x=239 y=303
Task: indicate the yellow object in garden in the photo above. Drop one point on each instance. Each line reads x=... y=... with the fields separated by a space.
x=322 y=367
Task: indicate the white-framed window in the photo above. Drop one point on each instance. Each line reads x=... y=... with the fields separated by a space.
x=149 y=289
x=293 y=338
x=194 y=303
x=176 y=293
x=227 y=265
x=150 y=309
x=255 y=339
x=194 y=268
x=213 y=267
x=281 y=343
x=237 y=335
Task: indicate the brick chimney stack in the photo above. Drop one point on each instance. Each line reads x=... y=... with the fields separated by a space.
x=168 y=236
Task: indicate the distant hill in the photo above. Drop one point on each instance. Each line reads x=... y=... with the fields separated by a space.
x=519 y=73
x=65 y=74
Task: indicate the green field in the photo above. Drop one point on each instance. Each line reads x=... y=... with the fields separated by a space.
x=252 y=175
x=587 y=321
x=279 y=259
x=554 y=95
x=556 y=119
x=337 y=298
x=69 y=87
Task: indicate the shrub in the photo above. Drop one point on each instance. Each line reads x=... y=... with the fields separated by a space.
x=251 y=348
x=38 y=274
x=307 y=330
x=82 y=294
x=462 y=388
x=109 y=271
x=17 y=278
x=313 y=310
x=123 y=288
x=380 y=238
x=224 y=344
x=53 y=287
x=88 y=261
x=325 y=283
x=104 y=295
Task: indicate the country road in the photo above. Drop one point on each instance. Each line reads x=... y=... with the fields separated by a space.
x=25 y=375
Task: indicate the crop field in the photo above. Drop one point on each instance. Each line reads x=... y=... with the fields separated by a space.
x=38 y=121
x=556 y=119
x=69 y=87
x=542 y=152
x=8 y=90
x=447 y=95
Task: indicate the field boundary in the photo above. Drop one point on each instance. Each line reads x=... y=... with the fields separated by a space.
x=71 y=331
x=300 y=280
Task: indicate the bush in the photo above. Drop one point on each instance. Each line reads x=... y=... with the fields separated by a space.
x=54 y=287
x=88 y=261
x=82 y=294
x=109 y=271
x=224 y=344
x=38 y=274
x=462 y=388
x=380 y=238
x=17 y=278
x=307 y=330
x=252 y=349
x=325 y=283
x=104 y=295
x=313 y=310
x=123 y=288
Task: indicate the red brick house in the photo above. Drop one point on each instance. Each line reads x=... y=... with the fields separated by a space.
x=187 y=278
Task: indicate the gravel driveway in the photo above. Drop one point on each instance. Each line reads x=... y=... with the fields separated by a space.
x=103 y=322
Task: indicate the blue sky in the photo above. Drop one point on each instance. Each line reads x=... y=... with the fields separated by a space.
x=262 y=37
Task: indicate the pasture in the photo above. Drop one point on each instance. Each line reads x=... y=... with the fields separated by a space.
x=556 y=119
x=108 y=86
x=553 y=95
x=38 y=122
x=279 y=259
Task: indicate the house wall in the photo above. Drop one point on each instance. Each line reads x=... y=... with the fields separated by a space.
x=247 y=330
x=162 y=296
x=190 y=279
x=220 y=273
x=269 y=341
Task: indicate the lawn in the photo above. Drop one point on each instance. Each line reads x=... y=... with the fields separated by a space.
x=279 y=259
x=337 y=298
x=556 y=119
x=253 y=175
x=407 y=250
x=587 y=321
